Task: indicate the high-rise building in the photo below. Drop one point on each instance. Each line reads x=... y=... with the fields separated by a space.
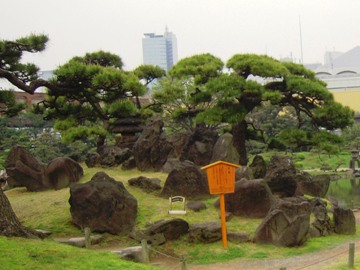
x=160 y=50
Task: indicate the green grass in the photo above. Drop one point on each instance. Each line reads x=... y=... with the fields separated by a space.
x=49 y=210
x=311 y=160
x=19 y=253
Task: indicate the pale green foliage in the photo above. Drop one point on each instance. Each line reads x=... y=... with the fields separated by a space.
x=256 y=65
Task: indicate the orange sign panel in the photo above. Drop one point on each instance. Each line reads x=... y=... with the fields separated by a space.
x=221 y=177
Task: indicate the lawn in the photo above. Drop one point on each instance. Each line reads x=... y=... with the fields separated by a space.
x=49 y=210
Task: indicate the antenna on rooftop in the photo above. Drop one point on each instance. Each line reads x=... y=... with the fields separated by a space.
x=301 y=46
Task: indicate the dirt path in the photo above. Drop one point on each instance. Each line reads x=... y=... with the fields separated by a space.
x=321 y=260
x=315 y=261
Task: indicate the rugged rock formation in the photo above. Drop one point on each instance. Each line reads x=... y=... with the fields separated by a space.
x=321 y=226
x=103 y=205
x=24 y=170
x=258 y=167
x=252 y=198
x=199 y=146
x=281 y=176
x=287 y=224
x=151 y=149
x=186 y=180
x=344 y=221
x=224 y=150
x=316 y=186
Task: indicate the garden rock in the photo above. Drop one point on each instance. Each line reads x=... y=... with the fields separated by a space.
x=111 y=156
x=287 y=224
x=205 y=232
x=92 y=159
x=103 y=205
x=23 y=169
x=243 y=172
x=200 y=144
x=162 y=231
x=134 y=254
x=151 y=149
x=63 y=171
x=252 y=198
x=146 y=184
x=196 y=206
x=129 y=164
x=172 y=229
x=258 y=167
x=321 y=226
x=281 y=176
x=170 y=164
x=186 y=180
x=224 y=150
x=80 y=241
x=344 y=221
x=238 y=238
x=316 y=186
x=154 y=239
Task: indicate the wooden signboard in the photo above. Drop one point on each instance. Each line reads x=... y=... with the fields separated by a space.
x=221 y=177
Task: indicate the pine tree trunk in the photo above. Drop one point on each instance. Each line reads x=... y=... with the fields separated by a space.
x=9 y=223
x=239 y=141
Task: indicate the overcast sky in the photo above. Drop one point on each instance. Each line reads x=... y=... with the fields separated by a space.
x=220 y=27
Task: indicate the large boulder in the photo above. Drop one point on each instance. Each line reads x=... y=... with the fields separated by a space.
x=287 y=224
x=151 y=149
x=199 y=146
x=23 y=169
x=186 y=180
x=252 y=198
x=224 y=150
x=103 y=205
x=344 y=221
x=63 y=171
x=316 y=186
x=281 y=176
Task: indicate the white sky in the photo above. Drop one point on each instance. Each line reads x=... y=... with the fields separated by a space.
x=220 y=27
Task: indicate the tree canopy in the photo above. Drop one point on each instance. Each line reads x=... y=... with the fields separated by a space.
x=23 y=76
x=252 y=81
x=88 y=93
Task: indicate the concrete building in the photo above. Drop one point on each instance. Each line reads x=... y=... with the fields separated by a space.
x=160 y=50
x=341 y=72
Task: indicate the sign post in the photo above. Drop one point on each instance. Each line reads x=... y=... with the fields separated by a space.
x=221 y=179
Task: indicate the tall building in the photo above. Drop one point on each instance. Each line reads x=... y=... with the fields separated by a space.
x=160 y=50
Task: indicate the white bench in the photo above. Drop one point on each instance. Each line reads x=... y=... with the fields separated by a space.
x=179 y=202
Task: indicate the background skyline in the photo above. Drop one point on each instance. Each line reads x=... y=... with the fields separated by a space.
x=222 y=28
